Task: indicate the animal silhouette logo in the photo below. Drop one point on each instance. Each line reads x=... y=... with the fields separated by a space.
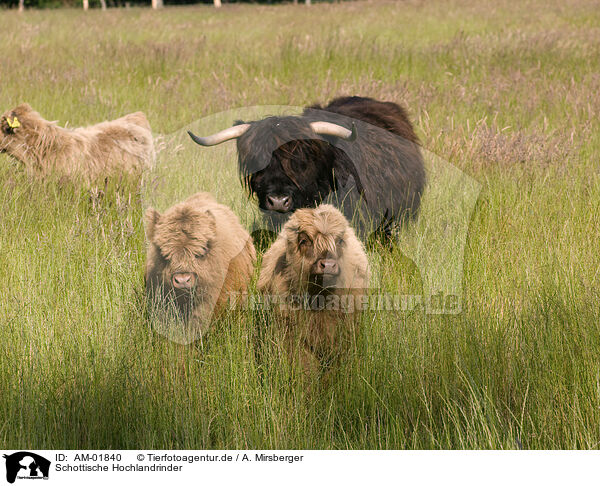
x=25 y=464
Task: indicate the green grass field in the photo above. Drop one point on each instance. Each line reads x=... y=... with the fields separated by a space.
x=507 y=92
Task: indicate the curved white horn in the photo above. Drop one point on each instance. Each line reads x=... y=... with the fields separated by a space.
x=326 y=128
x=222 y=136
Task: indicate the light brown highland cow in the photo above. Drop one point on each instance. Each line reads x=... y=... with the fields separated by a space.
x=199 y=256
x=314 y=276
x=122 y=146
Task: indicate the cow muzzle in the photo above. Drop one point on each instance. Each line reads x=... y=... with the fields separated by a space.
x=326 y=267
x=281 y=204
x=184 y=280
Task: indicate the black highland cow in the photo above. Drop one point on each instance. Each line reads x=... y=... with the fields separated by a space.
x=358 y=153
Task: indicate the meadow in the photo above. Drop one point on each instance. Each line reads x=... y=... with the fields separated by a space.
x=505 y=93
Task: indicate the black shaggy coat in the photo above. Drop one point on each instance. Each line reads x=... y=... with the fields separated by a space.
x=375 y=180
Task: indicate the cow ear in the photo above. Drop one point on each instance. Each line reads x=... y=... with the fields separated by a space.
x=10 y=123
x=151 y=218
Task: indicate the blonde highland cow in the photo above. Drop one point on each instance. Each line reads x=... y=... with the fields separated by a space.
x=122 y=146
x=199 y=258
x=314 y=276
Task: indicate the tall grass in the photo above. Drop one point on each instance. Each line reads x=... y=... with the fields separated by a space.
x=504 y=91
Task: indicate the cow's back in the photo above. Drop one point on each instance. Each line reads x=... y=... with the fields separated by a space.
x=383 y=114
x=138 y=118
x=122 y=145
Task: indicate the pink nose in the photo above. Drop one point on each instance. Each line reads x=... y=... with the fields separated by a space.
x=184 y=280
x=327 y=266
x=279 y=203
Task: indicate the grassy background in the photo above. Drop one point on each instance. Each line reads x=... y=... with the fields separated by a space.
x=505 y=91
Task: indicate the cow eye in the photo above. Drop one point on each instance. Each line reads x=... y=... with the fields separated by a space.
x=202 y=254
x=339 y=242
x=304 y=242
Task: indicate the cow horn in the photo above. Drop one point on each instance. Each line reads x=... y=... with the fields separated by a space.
x=326 y=128
x=222 y=136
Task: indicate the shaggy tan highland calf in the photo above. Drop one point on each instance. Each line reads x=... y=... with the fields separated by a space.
x=199 y=256
x=314 y=276
x=122 y=146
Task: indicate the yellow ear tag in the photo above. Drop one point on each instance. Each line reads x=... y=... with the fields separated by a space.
x=13 y=124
